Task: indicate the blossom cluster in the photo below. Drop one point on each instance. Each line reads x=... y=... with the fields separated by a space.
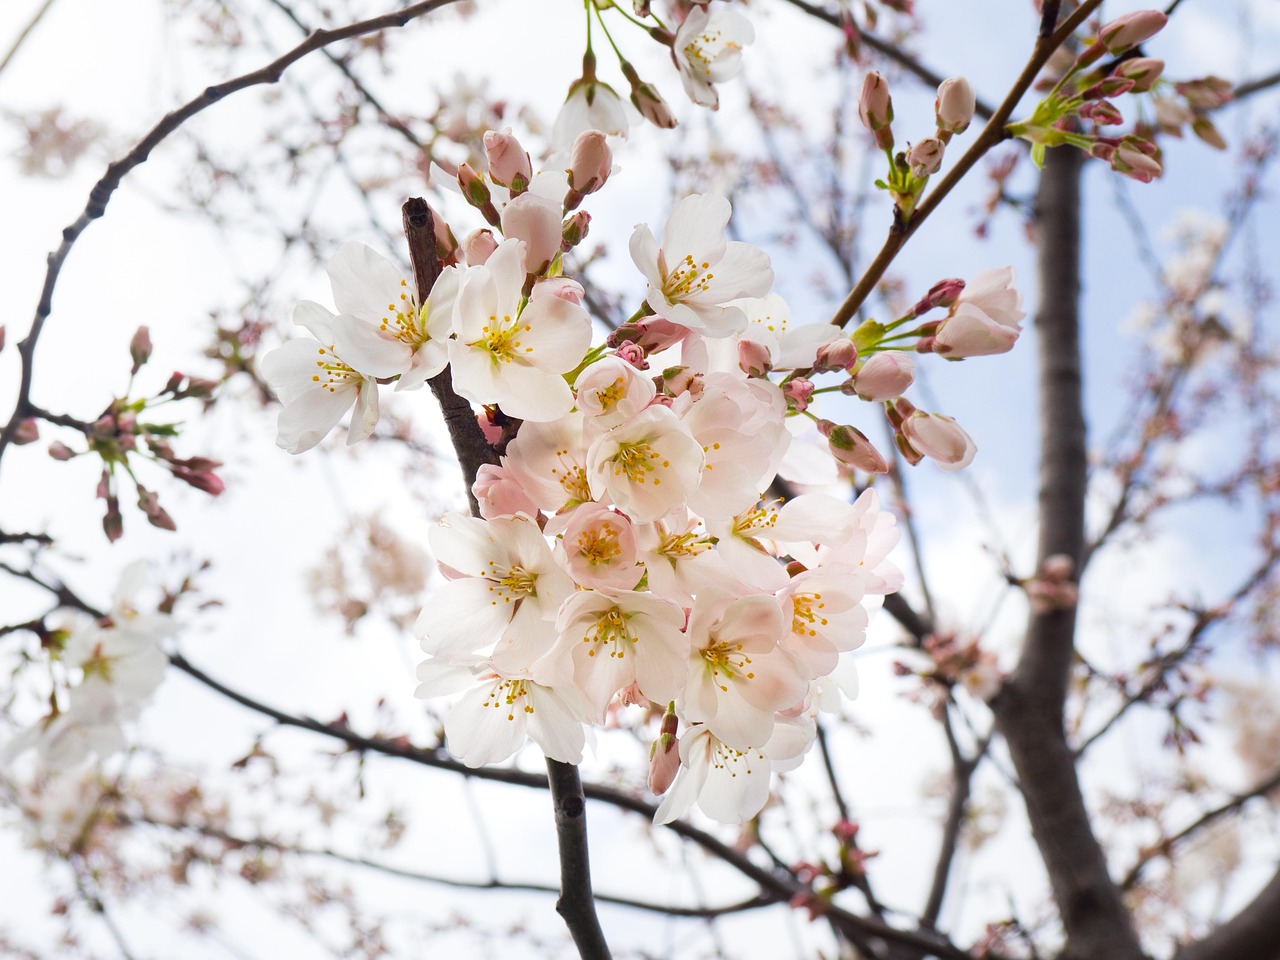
x=628 y=553
x=113 y=667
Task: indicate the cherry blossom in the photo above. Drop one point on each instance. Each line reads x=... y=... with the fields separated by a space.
x=515 y=357
x=648 y=466
x=708 y=50
x=696 y=272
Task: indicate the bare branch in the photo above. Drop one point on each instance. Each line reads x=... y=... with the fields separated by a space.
x=106 y=187
x=889 y=50
x=992 y=134
x=1252 y=934
x=576 y=903
x=25 y=32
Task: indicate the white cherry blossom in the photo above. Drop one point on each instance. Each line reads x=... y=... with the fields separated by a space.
x=708 y=50
x=648 y=466
x=316 y=386
x=696 y=272
x=513 y=357
x=550 y=462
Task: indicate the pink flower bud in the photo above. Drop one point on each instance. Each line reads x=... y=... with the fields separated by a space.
x=205 y=480
x=28 y=431
x=492 y=431
x=839 y=354
x=478 y=246
x=113 y=521
x=140 y=348
x=499 y=494
x=60 y=451
x=1143 y=71
x=565 y=288
x=652 y=107
x=1101 y=112
x=1130 y=160
x=798 y=392
x=884 y=376
x=590 y=164
x=678 y=380
x=509 y=164
x=473 y=185
x=1207 y=93
x=652 y=334
x=1107 y=87
x=1127 y=31
x=954 y=105
x=574 y=229
x=664 y=763
x=875 y=109
x=1203 y=128
x=941 y=294
x=754 y=358
x=633 y=354
x=933 y=435
x=925 y=157
x=535 y=220
x=850 y=446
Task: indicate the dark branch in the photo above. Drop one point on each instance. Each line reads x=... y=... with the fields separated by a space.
x=576 y=904
x=106 y=187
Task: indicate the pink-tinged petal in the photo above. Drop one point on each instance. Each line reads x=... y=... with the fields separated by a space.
x=307 y=420
x=364 y=282
x=528 y=393
x=316 y=319
x=558 y=334
x=739 y=723
x=365 y=349
x=696 y=227
x=689 y=781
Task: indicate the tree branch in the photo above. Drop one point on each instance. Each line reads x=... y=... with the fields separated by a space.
x=1029 y=710
x=576 y=903
x=1252 y=934
x=106 y=187
x=780 y=887
x=992 y=134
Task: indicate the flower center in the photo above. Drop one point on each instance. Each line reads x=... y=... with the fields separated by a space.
x=804 y=614
x=687 y=280
x=512 y=586
x=726 y=661
x=599 y=546
x=509 y=693
x=405 y=321
x=637 y=460
x=501 y=339
x=333 y=372
x=610 y=631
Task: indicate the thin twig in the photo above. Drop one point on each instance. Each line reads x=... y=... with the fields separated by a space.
x=106 y=187
x=25 y=32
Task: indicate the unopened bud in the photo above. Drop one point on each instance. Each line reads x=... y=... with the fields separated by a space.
x=565 y=288
x=478 y=246
x=754 y=358
x=113 y=522
x=140 y=348
x=1112 y=86
x=1203 y=128
x=633 y=354
x=925 y=157
x=652 y=107
x=798 y=392
x=574 y=230
x=60 y=451
x=1134 y=163
x=28 y=431
x=1143 y=71
x=589 y=167
x=509 y=164
x=851 y=447
x=875 y=109
x=839 y=354
x=1207 y=93
x=941 y=294
x=664 y=763
x=652 y=334
x=1101 y=112
x=678 y=380
x=535 y=220
x=1127 y=31
x=954 y=105
x=884 y=376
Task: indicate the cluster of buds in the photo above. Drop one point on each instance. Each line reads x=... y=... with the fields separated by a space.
x=118 y=434
x=1052 y=588
x=1085 y=95
x=910 y=169
x=536 y=209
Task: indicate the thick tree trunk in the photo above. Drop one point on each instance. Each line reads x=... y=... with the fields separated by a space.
x=1029 y=711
